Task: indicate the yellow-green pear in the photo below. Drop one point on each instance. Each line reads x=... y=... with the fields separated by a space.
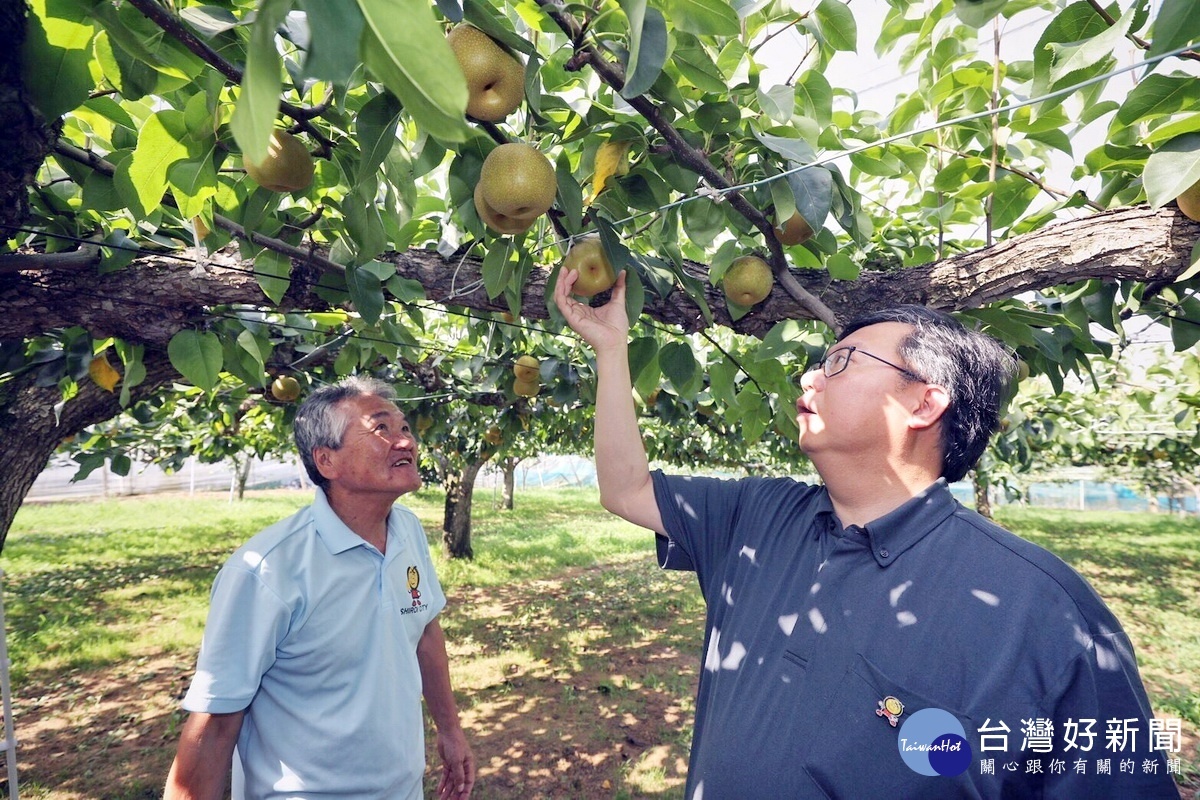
x=495 y=80
x=596 y=273
x=517 y=181
x=1189 y=202
x=285 y=388
x=288 y=166
x=526 y=369
x=794 y=231
x=526 y=388
x=748 y=280
x=498 y=222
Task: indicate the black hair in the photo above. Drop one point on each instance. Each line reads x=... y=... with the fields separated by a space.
x=975 y=369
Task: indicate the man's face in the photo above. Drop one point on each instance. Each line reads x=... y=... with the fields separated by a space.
x=864 y=408
x=378 y=453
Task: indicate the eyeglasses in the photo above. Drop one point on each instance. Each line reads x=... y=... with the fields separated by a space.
x=836 y=361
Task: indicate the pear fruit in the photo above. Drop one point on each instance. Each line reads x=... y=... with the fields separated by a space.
x=500 y=223
x=493 y=436
x=794 y=231
x=517 y=183
x=1189 y=202
x=285 y=388
x=596 y=273
x=748 y=281
x=288 y=166
x=526 y=369
x=495 y=80
x=526 y=388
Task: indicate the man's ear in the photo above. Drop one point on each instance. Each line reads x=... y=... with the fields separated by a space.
x=933 y=404
x=326 y=460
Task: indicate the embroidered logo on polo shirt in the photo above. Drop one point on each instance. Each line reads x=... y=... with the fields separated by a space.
x=890 y=707
x=414 y=580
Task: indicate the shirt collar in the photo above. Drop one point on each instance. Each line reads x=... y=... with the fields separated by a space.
x=904 y=526
x=335 y=534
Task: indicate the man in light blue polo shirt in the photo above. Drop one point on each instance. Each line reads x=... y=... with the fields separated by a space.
x=322 y=634
x=869 y=637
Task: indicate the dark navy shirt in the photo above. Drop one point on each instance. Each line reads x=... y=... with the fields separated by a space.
x=811 y=628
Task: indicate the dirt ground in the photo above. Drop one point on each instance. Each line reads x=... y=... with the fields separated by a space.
x=536 y=732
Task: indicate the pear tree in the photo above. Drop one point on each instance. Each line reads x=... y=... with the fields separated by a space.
x=136 y=228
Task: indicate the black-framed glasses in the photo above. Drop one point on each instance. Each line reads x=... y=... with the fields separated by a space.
x=836 y=361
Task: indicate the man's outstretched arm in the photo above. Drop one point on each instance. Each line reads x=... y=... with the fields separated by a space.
x=622 y=469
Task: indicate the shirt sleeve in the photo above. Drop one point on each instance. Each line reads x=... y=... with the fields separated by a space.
x=700 y=518
x=1102 y=693
x=246 y=623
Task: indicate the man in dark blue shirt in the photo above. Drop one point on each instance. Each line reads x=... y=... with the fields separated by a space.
x=870 y=637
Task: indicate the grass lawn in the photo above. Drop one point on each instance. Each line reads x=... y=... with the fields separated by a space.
x=568 y=688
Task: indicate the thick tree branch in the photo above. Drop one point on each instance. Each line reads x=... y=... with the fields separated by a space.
x=157 y=295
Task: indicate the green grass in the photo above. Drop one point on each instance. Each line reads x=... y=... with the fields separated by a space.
x=562 y=617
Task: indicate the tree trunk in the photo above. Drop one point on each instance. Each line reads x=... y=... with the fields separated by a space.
x=33 y=431
x=456 y=527
x=509 y=468
x=983 y=503
x=242 y=473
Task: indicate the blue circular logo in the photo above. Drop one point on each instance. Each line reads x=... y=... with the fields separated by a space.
x=933 y=742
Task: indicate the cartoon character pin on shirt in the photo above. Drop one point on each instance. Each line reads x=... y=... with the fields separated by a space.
x=414 y=580
x=890 y=707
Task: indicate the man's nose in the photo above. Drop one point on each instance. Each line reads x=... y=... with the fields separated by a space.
x=809 y=379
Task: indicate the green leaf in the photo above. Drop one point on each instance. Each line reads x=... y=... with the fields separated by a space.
x=842 y=267
x=1171 y=169
x=252 y=346
x=837 y=25
x=703 y=17
x=813 y=192
x=694 y=63
x=1011 y=199
x=209 y=20
x=497 y=270
x=678 y=364
x=366 y=292
x=778 y=102
x=55 y=56
x=376 y=126
x=647 y=47
x=1156 y=96
x=815 y=96
x=404 y=47
x=1077 y=22
x=333 y=48
x=977 y=13
x=160 y=144
x=273 y=272
x=1176 y=25
x=197 y=357
x=1071 y=58
x=786 y=337
x=193 y=182
x=257 y=106
x=570 y=195
x=796 y=150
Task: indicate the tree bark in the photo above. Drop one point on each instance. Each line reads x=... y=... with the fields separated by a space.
x=983 y=503
x=456 y=527
x=33 y=428
x=156 y=296
x=509 y=468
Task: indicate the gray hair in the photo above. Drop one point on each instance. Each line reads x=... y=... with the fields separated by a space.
x=320 y=423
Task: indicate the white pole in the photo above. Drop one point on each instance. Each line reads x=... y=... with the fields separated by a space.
x=9 y=745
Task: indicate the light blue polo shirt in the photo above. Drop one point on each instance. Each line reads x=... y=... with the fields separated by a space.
x=313 y=632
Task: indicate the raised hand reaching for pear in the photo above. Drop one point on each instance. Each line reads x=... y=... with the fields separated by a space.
x=601 y=327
